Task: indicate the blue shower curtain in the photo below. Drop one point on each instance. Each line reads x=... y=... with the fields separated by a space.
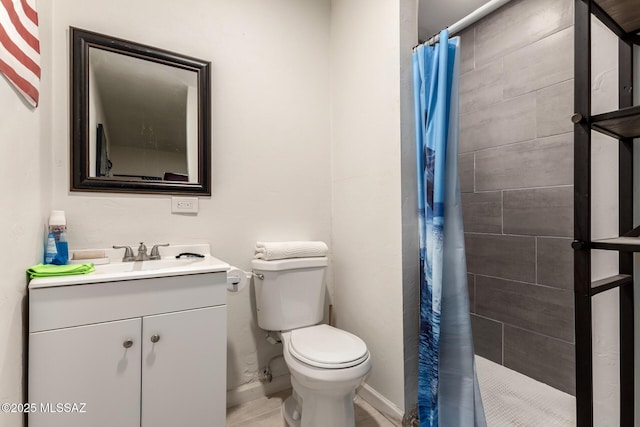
x=448 y=393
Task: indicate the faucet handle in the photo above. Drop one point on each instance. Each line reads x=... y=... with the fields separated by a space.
x=155 y=253
x=128 y=253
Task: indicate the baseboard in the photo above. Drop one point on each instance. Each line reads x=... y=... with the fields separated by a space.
x=381 y=404
x=256 y=390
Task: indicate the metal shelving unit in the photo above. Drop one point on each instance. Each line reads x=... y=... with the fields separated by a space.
x=622 y=17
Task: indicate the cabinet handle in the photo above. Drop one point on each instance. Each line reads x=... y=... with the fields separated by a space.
x=155 y=338
x=127 y=343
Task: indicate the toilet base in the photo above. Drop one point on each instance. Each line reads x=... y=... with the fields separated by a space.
x=288 y=407
x=293 y=419
x=320 y=410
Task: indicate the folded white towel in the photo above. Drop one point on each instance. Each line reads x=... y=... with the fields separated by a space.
x=282 y=250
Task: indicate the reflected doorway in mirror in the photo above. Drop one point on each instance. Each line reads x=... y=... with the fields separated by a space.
x=103 y=164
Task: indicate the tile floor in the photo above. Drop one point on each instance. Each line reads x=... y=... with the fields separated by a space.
x=265 y=412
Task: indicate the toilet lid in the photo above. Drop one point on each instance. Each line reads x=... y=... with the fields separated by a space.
x=327 y=347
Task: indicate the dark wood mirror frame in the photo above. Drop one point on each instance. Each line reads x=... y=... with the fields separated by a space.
x=81 y=180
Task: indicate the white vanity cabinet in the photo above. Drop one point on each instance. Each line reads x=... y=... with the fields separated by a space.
x=184 y=373
x=148 y=352
x=86 y=364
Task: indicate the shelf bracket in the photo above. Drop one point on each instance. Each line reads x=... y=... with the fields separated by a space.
x=579 y=245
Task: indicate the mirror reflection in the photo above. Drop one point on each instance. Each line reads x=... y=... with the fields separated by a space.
x=145 y=117
x=141 y=118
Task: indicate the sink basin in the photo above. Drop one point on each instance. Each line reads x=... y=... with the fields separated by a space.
x=165 y=267
x=160 y=264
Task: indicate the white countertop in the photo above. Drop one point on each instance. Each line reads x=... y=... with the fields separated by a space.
x=116 y=270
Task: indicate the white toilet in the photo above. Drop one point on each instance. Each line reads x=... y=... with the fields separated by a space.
x=327 y=364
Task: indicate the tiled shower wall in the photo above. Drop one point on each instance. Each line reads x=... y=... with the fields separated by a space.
x=516 y=167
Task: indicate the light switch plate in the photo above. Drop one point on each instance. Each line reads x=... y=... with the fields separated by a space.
x=185 y=205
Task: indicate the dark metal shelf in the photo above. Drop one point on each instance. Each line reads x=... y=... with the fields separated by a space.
x=610 y=283
x=623 y=244
x=623 y=123
x=622 y=17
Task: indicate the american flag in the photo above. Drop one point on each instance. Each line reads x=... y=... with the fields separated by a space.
x=19 y=47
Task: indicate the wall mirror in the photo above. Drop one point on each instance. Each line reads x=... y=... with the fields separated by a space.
x=140 y=118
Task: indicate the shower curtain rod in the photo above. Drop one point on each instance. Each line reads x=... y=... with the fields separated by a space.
x=471 y=18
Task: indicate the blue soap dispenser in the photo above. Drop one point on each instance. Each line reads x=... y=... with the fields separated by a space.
x=57 y=247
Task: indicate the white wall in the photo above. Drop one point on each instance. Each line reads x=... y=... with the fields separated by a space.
x=410 y=239
x=23 y=226
x=270 y=122
x=365 y=141
x=24 y=168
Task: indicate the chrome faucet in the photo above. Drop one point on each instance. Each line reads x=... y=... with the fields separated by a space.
x=142 y=253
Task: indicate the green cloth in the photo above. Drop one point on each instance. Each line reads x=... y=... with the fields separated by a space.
x=50 y=270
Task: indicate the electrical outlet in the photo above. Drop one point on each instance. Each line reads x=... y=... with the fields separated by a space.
x=185 y=205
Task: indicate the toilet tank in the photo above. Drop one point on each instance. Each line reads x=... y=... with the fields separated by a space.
x=289 y=292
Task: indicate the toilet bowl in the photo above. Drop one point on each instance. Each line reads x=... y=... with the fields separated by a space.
x=327 y=365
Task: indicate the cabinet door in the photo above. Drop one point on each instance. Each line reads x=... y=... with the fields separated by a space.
x=184 y=370
x=92 y=365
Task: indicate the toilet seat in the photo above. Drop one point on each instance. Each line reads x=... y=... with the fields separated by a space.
x=326 y=347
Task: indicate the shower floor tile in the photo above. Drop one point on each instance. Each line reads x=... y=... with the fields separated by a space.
x=513 y=399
